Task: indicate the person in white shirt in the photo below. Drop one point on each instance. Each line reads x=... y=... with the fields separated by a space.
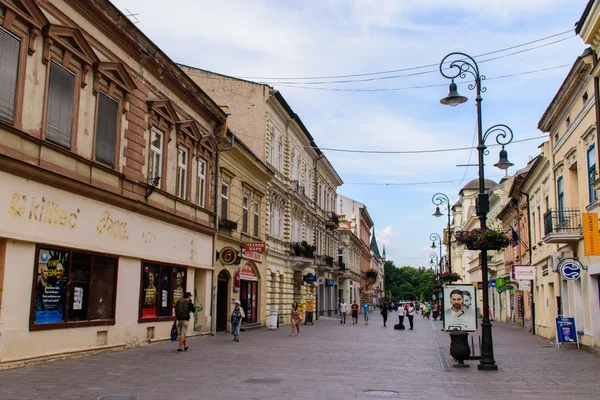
x=401 y=314
x=411 y=315
x=343 y=311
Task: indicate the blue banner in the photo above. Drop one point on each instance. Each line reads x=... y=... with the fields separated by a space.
x=566 y=332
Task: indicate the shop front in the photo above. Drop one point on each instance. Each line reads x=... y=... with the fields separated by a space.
x=249 y=292
x=92 y=276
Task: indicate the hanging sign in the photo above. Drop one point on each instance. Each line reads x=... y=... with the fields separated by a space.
x=251 y=255
x=236 y=280
x=493 y=282
x=523 y=273
x=256 y=247
x=309 y=278
x=329 y=282
x=570 y=269
x=228 y=255
x=525 y=285
x=591 y=238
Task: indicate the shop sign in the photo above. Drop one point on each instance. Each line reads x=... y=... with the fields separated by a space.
x=251 y=255
x=236 y=281
x=523 y=272
x=500 y=282
x=273 y=322
x=248 y=272
x=570 y=269
x=566 y=332
x=309 y=278
x=227 y=255
x=525 y=285
x=329 y=282
x=493 y=282
x=591 y=239
x=256 y=247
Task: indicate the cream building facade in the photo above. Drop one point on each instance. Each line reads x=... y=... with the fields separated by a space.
x=349 y=259
x=105 y=224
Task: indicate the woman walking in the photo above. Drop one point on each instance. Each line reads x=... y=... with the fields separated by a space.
x=384 y=312
x=401 y=314
x=411 y=314
x=296 y=318
x=236 y=320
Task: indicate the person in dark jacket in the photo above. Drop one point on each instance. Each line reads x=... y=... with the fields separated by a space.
x=183 y=321
x=384 y=311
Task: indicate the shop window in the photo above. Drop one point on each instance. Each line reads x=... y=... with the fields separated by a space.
x=182 y=162
x=73 y=288
x=201 y=182
x=61 y=99
x=156 y=152
x=10 y=47
x=245 y=215
x=256 y=220
x=162 y=285
x=106 y=129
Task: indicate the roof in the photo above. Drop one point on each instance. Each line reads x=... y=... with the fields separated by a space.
x=584 y=16
x=474 y=185
x=374 y=247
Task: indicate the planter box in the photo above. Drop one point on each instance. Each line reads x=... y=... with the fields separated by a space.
x=483 y=247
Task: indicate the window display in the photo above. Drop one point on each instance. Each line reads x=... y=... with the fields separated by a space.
x=162 y=286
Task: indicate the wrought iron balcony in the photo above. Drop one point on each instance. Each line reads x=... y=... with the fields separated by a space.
x=562 y=226
x=331 y=220
x=227 y=224
x=298 y=188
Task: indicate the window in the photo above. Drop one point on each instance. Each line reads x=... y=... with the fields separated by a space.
x=73 y=288
x=568 y=122
x=584 y=97
x=182 y=161
x=245 y=215
x=591 y=164
x=224 y=201
x=293 y=166
x=106 y=129
x=161 y=287
x=156 y=152
x=201 y=182
x=280 y=222
x=61 y=99
x=256 y=224
x=560 y=189
x=299 y=229
x=280 y=156
x=271 y=219
x=272 y=145
x=9 y=67
x=298 y=171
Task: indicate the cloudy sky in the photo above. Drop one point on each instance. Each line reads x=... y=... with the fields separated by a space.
x=304 y=48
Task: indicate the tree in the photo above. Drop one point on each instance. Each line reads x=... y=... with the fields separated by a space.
x=406 y=283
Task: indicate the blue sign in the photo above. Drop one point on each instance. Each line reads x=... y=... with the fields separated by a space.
x=309 y=278
x=493 y=282
x=570 y=269
x=565 y=330
x=329 y=282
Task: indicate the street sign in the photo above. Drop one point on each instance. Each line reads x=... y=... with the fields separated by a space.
x=309 y=278
x=570 y=269
x=523 y=272
x=256 y=247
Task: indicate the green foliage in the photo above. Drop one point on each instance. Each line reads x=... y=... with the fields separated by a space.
x=408 y=283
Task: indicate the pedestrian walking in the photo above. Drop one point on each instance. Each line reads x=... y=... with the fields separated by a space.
x=384 y=312
x=296 y=318
x=236 y=320
x=411 y=314
x=436 y=311
x=354 y=312
x=401 y=314
x=366 y=312
x=343 y=311
x=183 y=308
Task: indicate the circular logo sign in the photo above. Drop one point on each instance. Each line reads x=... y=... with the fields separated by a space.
x=228 y=255
x=570 y=269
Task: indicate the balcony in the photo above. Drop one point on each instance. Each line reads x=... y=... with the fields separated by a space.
x=227 y=224
x=298 y=188
x=331 y=220
x=341 y=269
x=562 y=226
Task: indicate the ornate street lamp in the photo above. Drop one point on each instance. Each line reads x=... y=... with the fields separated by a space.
x=438 y=199
x=461 y=64
x=435 y=237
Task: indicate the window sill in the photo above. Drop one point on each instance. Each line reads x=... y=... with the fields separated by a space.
x=67 y=325
x=156 y=319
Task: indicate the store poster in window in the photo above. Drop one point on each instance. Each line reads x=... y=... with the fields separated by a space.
x=178 y=286
x=149 y=292
x=51 y=286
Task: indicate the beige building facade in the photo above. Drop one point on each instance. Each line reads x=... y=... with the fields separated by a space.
x=106 y=223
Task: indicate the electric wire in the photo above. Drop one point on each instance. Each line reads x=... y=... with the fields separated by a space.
x=408 y=183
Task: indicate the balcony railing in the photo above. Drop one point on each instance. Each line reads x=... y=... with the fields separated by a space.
x=227 y=224
x=298 y=188
x=562 y=226
x=332 y=220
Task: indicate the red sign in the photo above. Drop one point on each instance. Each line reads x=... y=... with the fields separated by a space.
x=236 y=279
x=248 y=272
x=251 y=255
x=255 y=247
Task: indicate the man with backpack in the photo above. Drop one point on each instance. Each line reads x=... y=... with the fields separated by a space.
x=183 y=308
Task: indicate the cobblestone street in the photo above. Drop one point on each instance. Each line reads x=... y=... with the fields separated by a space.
x=328 y=361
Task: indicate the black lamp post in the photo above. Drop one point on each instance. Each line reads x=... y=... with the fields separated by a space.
x=438 y=199
x=435 y=237
x=459 y=65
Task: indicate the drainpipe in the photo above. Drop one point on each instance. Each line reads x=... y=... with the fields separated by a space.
x=216 y=222
x=597 y=104
x=530 y=262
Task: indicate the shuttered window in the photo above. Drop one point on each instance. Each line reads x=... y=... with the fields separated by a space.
x=106 y=129
x=61 y=97
x=9 y=67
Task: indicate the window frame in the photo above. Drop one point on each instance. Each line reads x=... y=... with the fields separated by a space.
x=160 y=152
x=256 y=221
x=159 y=318
x=245 y=214
x=224 y=200
x=182 y=172
x=591 y=173
x=66 y=324
x=201 y=183
x=119 y=99
x=76 y=102
x=19 y=86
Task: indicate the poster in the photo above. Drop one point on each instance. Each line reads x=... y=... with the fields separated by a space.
x=565 y=330
x=178 y=287
x=77 y=298
x=165 y=298
x=459 y=312
x=149 y=291
x=51 y=286
x=273 y=319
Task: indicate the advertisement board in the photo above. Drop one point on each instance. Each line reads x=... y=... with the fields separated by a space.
x=523 y=273
x=566 y=331
x=591 y=239
x=459 y=312
x=273 y=317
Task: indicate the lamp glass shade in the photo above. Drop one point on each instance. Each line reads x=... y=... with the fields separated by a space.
x=503 y=162
x=453 y=99
x=437 y=212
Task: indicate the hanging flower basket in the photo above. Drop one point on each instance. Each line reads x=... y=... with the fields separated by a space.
x=371 y=275
x=449 y=277
x=483 y=239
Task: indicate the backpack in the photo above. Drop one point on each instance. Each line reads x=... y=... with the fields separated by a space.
x=182 y=312
x=236 y=317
